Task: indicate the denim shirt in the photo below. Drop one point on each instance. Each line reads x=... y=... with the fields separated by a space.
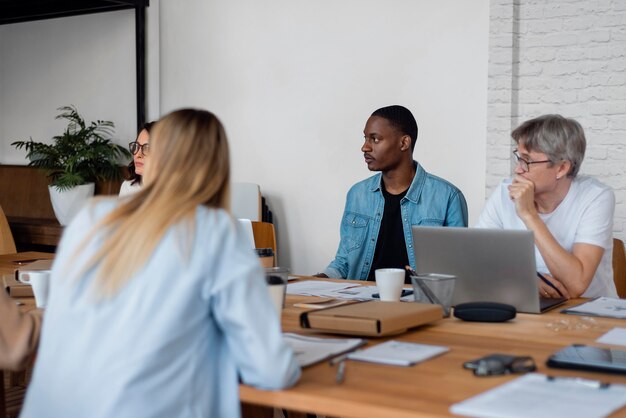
x=430 y=201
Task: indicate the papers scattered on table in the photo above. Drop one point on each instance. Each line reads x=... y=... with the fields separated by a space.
x=616 y=336
x=535 y=395
x=398 y=353
x=311 y=350
x=336 y=290
x=602 y=306
x=315 y=287
x=355 y=293
x=321 y=303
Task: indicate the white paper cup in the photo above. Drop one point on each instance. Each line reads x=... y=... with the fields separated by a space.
x=40 y=282
x=390 y=283
x=276 y=279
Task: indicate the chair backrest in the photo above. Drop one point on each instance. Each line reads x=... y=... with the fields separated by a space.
x=619 y=267
x=265 y=236
x=245 y=201
x=7 y=243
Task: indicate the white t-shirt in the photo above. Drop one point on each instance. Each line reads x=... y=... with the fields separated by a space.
x=128 y=188
x=584 y=216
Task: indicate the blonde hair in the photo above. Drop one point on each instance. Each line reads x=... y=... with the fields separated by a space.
x=189 y=166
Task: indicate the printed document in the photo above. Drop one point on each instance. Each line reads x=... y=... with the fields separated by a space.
x=602 y=306
x=616 y=336
x=538 y=395
x=316 y=287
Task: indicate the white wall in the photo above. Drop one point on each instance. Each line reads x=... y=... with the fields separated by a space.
x=87 y=60
x=567 y=57
x=294 y=82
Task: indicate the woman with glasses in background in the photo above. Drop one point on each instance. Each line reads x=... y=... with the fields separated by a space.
x=140 y=149
x=570 y=215
x=157 y=306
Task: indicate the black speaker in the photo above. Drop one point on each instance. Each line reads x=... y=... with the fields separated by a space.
x=484 y=311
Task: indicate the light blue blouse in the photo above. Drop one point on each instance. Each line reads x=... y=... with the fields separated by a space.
x=173 y=342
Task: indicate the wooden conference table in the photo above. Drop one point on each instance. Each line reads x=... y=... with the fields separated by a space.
x=10 y=262
x=427 y=389
x=430 y=388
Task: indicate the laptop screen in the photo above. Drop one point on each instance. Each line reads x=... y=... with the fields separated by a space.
x=491 y=265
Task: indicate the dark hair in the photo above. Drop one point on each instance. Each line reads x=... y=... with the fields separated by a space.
x=561 y=139
x=134 y=177
x=400 y=118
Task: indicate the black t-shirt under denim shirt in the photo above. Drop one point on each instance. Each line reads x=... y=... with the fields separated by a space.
x=390 y=246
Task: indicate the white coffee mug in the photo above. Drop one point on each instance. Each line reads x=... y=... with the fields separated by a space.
x=390 y=283
x=40 y=282
x=277 y=286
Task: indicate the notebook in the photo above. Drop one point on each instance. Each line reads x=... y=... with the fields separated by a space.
x=398 y=353
x=491 y=265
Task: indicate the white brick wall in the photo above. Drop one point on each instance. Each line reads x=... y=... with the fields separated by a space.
x=566 y=57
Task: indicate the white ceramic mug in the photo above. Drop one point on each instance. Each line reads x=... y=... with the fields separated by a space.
x=276 y=279
x=390 y=283
x=40 y=282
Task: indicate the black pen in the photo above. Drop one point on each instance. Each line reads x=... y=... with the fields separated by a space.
x=595 y=384
x=549 y=283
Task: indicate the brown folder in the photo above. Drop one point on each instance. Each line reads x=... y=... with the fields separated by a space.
x=371 y=318
x=16 y=289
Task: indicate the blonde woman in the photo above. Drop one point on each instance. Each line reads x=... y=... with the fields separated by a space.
x=158 y=307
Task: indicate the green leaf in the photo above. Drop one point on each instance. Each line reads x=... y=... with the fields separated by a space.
x=82 y=153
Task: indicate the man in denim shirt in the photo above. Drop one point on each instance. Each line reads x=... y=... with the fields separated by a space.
x=380 y=211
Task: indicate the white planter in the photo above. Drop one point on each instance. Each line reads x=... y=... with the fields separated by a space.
x=67 y=203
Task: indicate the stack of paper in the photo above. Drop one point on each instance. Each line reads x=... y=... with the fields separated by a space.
x=315 y=287
x=537 y=395
x=398 y=353
x=336 y=290
x=602 y=306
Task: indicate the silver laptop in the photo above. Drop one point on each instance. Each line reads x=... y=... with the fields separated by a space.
x=491 y=265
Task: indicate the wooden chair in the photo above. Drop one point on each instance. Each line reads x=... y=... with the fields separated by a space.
x=7 y=244
x=619 y=267
x=11 y=397
x=265 y=236
x=245 y=201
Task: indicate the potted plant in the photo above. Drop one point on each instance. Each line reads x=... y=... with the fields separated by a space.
x=81 y=155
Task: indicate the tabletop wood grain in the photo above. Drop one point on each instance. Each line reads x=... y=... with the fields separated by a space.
x=430 y=388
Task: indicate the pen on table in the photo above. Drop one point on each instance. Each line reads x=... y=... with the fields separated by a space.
x=429 y=293
x=338 y=359
x=580 y=381
x=341 y=370
x=549 y=283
